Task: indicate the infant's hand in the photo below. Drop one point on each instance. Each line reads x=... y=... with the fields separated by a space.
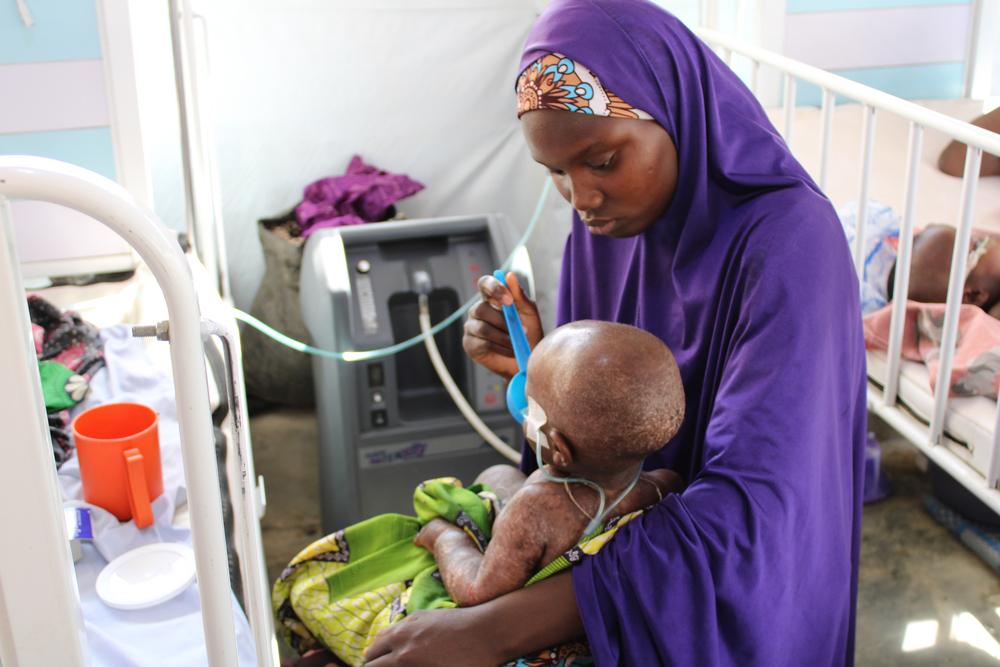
x=429 y=534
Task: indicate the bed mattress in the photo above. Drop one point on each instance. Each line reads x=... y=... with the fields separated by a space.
x=969 y=422
x=938 y=195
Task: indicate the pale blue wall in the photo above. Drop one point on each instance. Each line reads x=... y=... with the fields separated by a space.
x=64 y=31
x=926 y=78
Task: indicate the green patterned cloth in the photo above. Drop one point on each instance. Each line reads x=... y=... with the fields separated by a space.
x=342 y=590
x=62 y=388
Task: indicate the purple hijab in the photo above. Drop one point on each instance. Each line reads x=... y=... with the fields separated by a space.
x=748 y=278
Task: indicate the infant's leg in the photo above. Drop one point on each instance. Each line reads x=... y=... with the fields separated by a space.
x=505 y=480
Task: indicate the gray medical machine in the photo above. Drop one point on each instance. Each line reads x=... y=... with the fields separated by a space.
x=387 y=424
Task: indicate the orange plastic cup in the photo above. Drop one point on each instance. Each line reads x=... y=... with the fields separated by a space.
x=118 y=446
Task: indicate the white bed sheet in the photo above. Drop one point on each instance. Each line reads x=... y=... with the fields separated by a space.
x=938 y=195
x=111 y=636
x=169 y=633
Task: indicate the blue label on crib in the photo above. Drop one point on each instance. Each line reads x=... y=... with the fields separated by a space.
x=78 y=523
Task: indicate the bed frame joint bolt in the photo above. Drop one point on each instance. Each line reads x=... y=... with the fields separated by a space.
x=160 y=330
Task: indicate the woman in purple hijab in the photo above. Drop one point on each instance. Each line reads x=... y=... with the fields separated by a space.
x=694 y=222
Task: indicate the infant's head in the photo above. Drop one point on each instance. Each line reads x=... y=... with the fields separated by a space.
x=930 y=268
x=611 y=395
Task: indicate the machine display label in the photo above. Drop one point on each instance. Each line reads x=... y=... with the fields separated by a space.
x=366 y=304
x=395 y=454
x=378 y=457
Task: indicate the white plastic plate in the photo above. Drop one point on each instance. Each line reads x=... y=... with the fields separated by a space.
x=146 y=576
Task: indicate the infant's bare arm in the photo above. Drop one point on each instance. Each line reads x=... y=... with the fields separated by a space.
x=505 y=480
x=514 y=553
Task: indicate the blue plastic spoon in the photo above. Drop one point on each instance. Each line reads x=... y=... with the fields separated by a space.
x=517 y=400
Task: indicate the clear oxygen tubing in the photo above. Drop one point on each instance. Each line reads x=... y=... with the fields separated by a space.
x=467 y=410
x=364 y=355
x=533 y=425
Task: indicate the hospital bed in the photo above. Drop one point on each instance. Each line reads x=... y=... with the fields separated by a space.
x=875 y=146
x=40 y=619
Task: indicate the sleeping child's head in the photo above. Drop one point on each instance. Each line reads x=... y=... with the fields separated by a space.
x=931 y=265
x=606 y=396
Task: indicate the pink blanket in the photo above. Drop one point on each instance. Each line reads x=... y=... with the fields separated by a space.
x=976 y=369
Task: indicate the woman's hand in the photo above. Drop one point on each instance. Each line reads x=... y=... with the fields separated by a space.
x=444 y=637
x=486 y=340
x=490 y=634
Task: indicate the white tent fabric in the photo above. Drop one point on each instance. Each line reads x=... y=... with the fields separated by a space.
x=413 y=86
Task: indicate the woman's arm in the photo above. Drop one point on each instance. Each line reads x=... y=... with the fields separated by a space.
x=952 y=160
x=503 y=629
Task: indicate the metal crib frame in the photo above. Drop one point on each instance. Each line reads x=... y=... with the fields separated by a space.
x=40 y=618
x=884 y=403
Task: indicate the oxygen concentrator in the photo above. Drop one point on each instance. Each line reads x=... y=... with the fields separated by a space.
x=386 y=424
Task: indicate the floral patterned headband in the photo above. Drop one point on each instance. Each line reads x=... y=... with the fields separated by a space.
x=557 y=82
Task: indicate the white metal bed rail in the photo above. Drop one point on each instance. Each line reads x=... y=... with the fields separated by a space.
x=39 y=608
x=920 y=118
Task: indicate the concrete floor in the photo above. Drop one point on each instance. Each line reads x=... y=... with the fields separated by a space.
x=924 y=599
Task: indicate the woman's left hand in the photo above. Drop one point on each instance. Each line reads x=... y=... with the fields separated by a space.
x=435 y=637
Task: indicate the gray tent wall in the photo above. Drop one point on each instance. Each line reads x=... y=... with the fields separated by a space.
x=414 y=86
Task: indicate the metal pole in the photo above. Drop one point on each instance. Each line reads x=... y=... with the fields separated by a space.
x=59 y=183
x=824 y=152
x=250 y=502
x=866 y=171
x=956 y=286
x=199 y=217
x=40 y=618
x=902 y=281
x=789 y=107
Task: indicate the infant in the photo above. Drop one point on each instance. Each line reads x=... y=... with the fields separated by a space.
x=930 y=267
x=601 y=398
x=930 y=261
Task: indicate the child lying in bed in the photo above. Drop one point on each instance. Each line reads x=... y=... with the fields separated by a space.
x=930 y=262
x=930 y=267
x=975 y=369
x=601 y=397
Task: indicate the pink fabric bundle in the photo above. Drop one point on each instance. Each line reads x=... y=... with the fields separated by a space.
x=976 y=367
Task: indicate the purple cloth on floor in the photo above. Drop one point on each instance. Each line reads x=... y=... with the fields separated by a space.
x=748 y=278
x=364 y=194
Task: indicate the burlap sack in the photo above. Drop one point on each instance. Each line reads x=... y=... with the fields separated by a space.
x=275 y=373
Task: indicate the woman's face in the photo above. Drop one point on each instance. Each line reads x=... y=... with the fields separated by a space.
x=619 y=174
